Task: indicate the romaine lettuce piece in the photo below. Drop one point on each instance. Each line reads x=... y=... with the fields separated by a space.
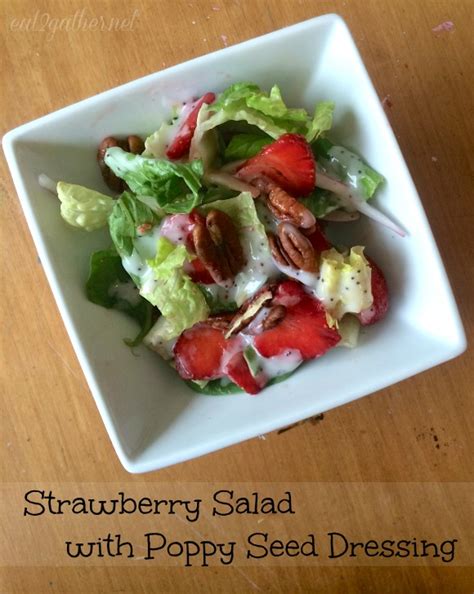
x=344 y=284
x=180 y=301
x=110 y=286
x=82 y=207
x=247 y=102
x=128 y=214
x=245 y=146
x=348 y=167
x=175 y=186
x=322 y=120
x=321 y=202
x=348 y=328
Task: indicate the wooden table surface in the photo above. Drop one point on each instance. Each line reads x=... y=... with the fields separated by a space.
x=416 y=435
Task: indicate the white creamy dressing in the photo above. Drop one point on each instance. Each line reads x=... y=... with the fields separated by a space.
x=47 y=183
x=126 y=291
x=280 y=364
x=258 y=269
x=310 y=279
x=136 y=264
x=350 y=164
x=266 y=217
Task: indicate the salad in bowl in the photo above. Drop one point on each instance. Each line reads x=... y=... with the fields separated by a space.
x=218 y=245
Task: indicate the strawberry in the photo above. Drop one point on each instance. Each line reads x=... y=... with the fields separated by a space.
x=304 y=327
x=238 y=371
x=379 y=307
x=318 y=240
x=182 y=141
x=288 y=162
x=199 y=351
x=199 y=273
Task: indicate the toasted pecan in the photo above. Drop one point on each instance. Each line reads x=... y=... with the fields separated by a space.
x=133 y=144
x=274 y=317
x=291 y=248
x=218 y=247
x=248 y=311
x=287 y=208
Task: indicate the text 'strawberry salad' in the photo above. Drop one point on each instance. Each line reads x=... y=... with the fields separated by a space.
x=218 y=245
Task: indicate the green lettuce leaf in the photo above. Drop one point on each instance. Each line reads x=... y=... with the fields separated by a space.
x=175 y=186
x=216 y=304
x=224 y=387
x=345 y=285
x=348 y=328
x=347 y=166
x=83 y=208
x=127 y=215
x=244 y=146
x=180 y=301
x=322 y=120
x=247 y=102
x=321 y=202
x=110 y=286
x=157 y=143
x=214 y=387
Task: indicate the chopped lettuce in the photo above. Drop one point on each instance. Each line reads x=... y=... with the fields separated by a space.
x=346 y=166
x=127 y=215
x=157 y=143
x=348 y=328
x=345 y=282
x=110 y=286
x=204 y=144
x=244 y=146
x=321 y=202
x=216 y=303
x=322 y=120
x=175 y=186
x=180 y=301
x=82 y=207
x=268 y=112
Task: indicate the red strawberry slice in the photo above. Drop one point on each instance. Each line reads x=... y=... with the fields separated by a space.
x=238 y=371
x=379 y=307
x=182 y=141
x=304 y=327
x=288 y=162
x=318 y=240
x=198 y=352
x=199 y=273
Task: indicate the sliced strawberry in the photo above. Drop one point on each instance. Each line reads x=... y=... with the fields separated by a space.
x=199 y=273
x=379 y=307
x=318 y=240
x=288 y=162
x=182 y=141
x=198 y=352
x=304 y=327
x=238 y=371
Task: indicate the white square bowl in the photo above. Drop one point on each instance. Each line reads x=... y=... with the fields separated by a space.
x=152 y=418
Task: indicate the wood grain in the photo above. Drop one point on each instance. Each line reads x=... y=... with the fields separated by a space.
x=418 y=430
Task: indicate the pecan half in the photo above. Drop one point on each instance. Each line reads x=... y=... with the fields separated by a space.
x=133 y=144
x=287 y=208
x=291 y=248
x=218 y=246
x=274 y=317
x=220 y=322
x=248 y=311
